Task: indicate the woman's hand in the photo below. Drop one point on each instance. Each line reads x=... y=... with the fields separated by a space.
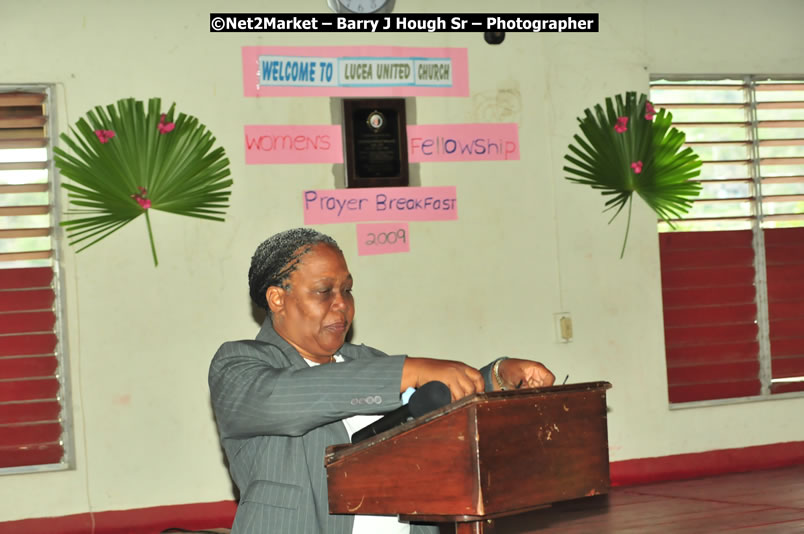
x=461 y=379
x=517 y=373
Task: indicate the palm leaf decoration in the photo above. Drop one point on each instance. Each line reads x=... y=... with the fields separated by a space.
x=625 y=150
x=127 y=160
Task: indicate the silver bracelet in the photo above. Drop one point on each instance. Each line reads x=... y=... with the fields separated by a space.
x=495 y=369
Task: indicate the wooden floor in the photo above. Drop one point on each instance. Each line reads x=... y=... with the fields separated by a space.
x=766 y=502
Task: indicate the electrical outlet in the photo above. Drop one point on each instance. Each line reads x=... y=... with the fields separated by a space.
x=563 y=325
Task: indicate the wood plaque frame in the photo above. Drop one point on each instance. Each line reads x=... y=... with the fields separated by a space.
x=375 y=142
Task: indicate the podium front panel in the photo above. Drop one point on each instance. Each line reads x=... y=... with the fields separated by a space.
x=430 y=469
x=542 y=448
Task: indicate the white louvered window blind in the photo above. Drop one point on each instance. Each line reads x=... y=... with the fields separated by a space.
x=733 y=270
x=34 y=415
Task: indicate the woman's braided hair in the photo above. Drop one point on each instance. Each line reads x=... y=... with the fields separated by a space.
x=278 y=256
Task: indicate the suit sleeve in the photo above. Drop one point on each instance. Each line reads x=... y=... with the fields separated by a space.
x=253 y=392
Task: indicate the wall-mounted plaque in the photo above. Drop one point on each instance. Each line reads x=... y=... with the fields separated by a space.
x=375 y=137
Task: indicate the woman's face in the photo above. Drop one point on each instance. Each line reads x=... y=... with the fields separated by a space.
x=315 y=312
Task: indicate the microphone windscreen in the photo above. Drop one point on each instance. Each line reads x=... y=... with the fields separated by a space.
x=429 y=397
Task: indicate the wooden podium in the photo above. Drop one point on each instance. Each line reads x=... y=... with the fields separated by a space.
x=486 y=456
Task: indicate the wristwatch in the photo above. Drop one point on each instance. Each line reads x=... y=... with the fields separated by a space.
x=495 y=370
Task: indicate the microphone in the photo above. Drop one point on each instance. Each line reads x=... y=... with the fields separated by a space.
x=429 y=397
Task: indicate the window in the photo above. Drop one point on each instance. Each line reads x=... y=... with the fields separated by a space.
x=733 y=269
x=33 y=410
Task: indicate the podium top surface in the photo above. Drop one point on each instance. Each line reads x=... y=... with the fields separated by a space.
x=337 y=452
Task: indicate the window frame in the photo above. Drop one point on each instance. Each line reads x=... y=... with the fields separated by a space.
x=61 y=353
x=763 y=319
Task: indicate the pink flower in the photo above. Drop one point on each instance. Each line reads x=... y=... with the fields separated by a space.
x=104 y=135
x=622 y=124
x=141 y=198
x=143 y=202
x=637 y=167
x=165 y=128
x=650 y=111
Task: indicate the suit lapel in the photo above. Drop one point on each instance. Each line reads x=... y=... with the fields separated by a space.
x=267 y=334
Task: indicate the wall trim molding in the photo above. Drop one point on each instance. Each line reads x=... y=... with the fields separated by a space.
x=704 y=464
x=194 y=516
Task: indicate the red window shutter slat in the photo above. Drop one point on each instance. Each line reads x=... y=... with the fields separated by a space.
x=707 y=278
x=24 y=390
x=784 y=238
x=715 y=353
x=18 y=323
x=706 y=240
x=777 y=254
x=787 y=309
x=29 y=412
x=684 y=259
x=50 y=453
x=787 y=387
x=19 y=300
x=29 y=434
x=724 y=390
x=787 y=328
x=781 y=289
x=26 y=278
x=785 y=271
x=713 y=374
x=28 y=344
x=738 y=313
x=34 y=367
x=787 y=347
x=713 y=296
x=788 y=366
x=710 y=335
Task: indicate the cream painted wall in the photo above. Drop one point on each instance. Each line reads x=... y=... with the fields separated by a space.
x=528 y=243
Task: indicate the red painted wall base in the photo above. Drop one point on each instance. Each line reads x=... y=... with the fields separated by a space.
x=704 y=464
x=220 y=514
x=139 y=521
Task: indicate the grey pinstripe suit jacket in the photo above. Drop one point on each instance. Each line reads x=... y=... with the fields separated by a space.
x=276 y=415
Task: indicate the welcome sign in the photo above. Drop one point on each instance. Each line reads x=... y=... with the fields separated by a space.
x=293 y=71
x=354 y=71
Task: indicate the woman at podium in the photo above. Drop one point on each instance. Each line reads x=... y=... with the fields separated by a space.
x=282 y=398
